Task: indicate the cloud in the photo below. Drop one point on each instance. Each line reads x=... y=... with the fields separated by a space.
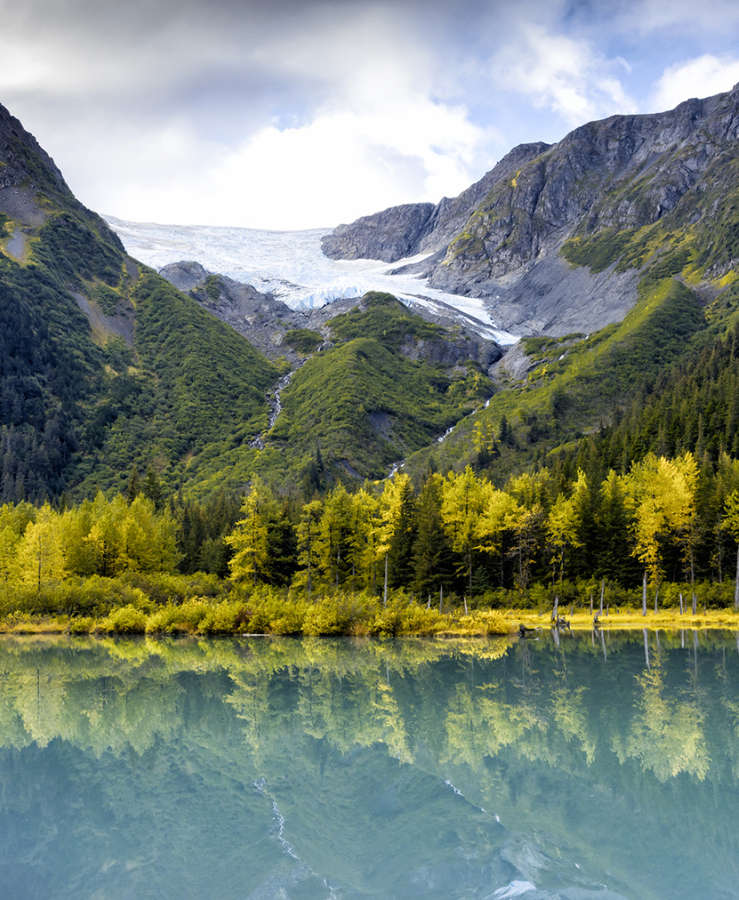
x=563 y=74
x=347 y=162
x=359 y=127
x=655 y=16
x=700 y=77
x=340 y=164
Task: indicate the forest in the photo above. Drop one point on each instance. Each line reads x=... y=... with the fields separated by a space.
x=663 y=534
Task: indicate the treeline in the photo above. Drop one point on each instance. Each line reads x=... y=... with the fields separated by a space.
x=666 y=519
x=674 y=520
x=692 y=406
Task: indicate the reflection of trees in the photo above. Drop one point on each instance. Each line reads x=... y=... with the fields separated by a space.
x=666 y=734
x=463 y=702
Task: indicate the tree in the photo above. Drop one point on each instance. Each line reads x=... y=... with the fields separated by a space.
x=335 y=537
x=730 y=524
x=308 y=532
x=432 y=564
x=564 y=523
x=498 y=518
x=464 y=498
x=394 y=520
x=250 y=538
x=612 y=529
x=661 y=493
x=40 y=551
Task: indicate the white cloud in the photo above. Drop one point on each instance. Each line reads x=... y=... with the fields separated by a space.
x=700 y=77
x=345 y=163
x=562 y=74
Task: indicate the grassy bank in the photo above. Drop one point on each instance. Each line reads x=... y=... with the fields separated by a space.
x=340 y=614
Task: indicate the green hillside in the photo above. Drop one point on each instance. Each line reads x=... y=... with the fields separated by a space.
x=579 y=384
x=104 y=365
x=354 y=409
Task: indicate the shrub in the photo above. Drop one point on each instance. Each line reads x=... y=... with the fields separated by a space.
x=126 y=620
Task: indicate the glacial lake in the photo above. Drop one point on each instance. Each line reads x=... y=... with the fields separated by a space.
x=598 y=766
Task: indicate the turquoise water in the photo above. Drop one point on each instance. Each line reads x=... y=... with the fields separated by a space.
x=604 y=767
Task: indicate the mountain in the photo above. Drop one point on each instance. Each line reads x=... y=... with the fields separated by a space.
x=557 y=238
x=108 y=367
x=103 y=364
x=367 y=382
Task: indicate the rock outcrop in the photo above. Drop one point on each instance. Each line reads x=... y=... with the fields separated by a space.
x=505 y=237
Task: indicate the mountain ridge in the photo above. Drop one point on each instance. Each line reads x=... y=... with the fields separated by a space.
x=619 y=174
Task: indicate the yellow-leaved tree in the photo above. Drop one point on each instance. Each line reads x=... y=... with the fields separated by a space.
x=250 y=537
x=661 y=494
x=391 y=506
x=564 y=523
x=464 y=499
x=41 y=551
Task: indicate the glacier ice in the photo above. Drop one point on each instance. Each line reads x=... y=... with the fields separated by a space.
x=291 y=265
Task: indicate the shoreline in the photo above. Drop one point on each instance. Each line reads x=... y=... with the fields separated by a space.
x=478 y=623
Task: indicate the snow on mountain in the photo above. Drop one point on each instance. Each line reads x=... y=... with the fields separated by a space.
x=291 y=265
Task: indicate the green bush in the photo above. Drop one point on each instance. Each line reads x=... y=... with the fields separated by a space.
x=126 y=620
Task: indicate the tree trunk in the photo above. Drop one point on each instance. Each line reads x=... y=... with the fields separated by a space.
x=591 y=603
x=465 y=604
x=384 y=589
x=656 y=599
x=692 y=580
x=556 y=607
x=736 y=585
x=682 y=605
x=602 y=594
x=441 y=597
x=646 y=648
x=644 y=594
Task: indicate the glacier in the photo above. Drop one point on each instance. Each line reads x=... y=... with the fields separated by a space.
x=291 y=265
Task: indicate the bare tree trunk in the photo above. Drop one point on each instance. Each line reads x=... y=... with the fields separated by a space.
x=384 y=589
x=656 y=599
x=465 y=603
x=556 y=607
x=602 y=594
x=591 y=603
x=441 y=597
x=644 y=594
x=682 y=605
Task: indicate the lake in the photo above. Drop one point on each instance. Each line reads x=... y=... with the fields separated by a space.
x=596 y=766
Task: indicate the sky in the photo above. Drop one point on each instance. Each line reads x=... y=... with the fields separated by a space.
x=283 y=114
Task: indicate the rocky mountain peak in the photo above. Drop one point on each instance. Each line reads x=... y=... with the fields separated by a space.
x=503 y=238
x=24 y=163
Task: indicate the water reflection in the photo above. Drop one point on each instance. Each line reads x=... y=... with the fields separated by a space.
x=598 y=766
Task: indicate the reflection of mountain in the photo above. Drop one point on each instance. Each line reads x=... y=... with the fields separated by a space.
x=255 y=767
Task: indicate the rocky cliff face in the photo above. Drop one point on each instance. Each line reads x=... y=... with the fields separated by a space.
x=270 y=325
x=413 y=228
x=389 y=235
x=505 y=238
